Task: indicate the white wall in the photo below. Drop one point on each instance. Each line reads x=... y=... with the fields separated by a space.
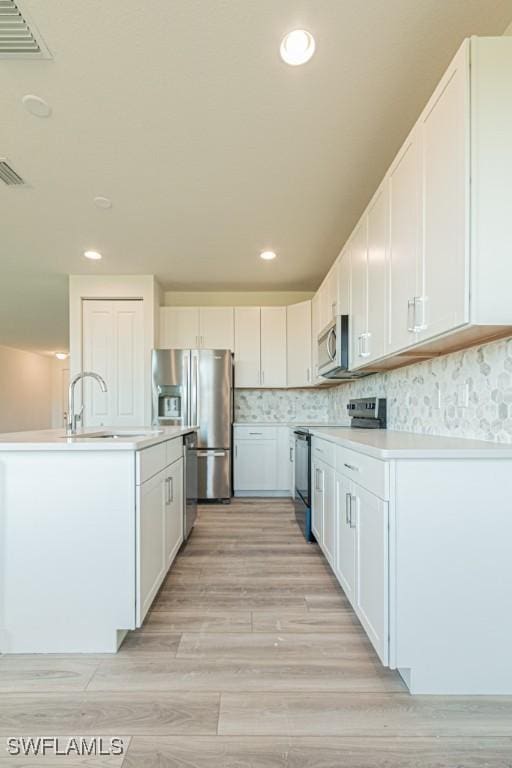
x=30 y=390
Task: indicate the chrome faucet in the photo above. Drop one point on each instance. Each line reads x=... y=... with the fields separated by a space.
x=72 y=417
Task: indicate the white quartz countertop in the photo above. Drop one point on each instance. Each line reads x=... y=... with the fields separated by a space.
x=389 y=444
x=290 y=424
x=127 y=439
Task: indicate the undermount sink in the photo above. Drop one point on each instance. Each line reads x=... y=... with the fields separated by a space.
x=112 y=435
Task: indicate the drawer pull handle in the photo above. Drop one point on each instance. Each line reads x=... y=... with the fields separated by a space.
x=256 y=433
x=351 y=466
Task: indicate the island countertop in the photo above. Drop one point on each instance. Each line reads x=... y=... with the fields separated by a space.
x=93 y=439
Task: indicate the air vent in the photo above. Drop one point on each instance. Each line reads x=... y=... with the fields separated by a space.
x=19 y=39
x=9 y=176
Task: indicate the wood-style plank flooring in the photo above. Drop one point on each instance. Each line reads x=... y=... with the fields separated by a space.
x=251 y=657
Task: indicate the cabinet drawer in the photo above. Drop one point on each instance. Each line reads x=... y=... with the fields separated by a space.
x=174 y=450
x=149 y=461
x=324 y=451
x=369 y=473
x=255 y=433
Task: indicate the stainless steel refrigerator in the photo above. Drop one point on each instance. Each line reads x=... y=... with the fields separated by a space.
x=195 y=387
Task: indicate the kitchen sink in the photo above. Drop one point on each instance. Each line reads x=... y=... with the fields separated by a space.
x=112 y=435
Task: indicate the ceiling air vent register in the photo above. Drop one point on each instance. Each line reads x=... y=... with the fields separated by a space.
x=19 y=38
x=9 y=176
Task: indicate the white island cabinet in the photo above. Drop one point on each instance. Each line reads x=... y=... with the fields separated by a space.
x=89 y=527
x=418 y=535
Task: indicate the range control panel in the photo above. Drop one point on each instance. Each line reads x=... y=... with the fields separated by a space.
x=367 y=412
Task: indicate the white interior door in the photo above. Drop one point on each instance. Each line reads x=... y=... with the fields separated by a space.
x=247 y=347
x=179 y=327
x=216 y=328
x=298 y=334
x=273 y=346
x=113 y=346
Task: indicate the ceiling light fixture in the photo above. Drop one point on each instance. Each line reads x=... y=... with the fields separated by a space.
x=267 y=255
x=102 y=202
x=36 y=105
x=93 y=255
x=61 y=355
x=297 y=47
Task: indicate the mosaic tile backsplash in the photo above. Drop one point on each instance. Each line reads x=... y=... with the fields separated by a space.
x=280 y=405
x=464 y=394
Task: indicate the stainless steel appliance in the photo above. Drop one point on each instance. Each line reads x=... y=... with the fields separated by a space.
x=368 y=412
x=190 y=484
x=195 y=386
x=333 y=349
x=302 y=496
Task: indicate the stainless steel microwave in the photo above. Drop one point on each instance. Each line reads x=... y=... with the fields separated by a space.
x=333 y=351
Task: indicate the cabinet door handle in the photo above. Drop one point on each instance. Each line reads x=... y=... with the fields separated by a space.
x=308 y=375
x=365 y=344
x=353 y=500
x=411 y=312
x=422 y=324
x=263 y=377
x=171 y=490
x=291 y=453
x=347 y=508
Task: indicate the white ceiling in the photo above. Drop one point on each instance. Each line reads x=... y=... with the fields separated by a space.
x=210 y=147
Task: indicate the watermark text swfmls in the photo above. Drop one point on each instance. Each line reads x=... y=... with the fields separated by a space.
x=65 y=746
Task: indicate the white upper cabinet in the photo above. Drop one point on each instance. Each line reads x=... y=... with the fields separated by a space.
x=216 y=328
x=443 y=301
x=247 y=347
x=378 y=239
x=331 y=292
x=344 y=281
x=113 y=346
x=273 y=346
x=196 y=327
x=179 y=327
x=298 y=334
x=359 y=293
x=404 y=243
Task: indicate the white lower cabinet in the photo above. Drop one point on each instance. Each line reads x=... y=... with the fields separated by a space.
x=173 y=510
x=317 y=499
x=369 y=517
x=159 y=527
x=345 y=561
x=350 y=524
x=261 y=460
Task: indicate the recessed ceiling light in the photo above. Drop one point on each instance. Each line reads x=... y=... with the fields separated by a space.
x=297 y=47
x=36 y=105
x=102 y=202
x=94 y=255
x=61 y=355
x=267 y=255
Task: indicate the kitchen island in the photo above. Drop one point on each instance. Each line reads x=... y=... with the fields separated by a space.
x=89 y=526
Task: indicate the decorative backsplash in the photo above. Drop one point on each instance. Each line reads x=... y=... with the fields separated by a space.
x=281 y=405
x=464 y=394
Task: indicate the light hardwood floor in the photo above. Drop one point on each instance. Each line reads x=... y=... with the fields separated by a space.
x=251 y=657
